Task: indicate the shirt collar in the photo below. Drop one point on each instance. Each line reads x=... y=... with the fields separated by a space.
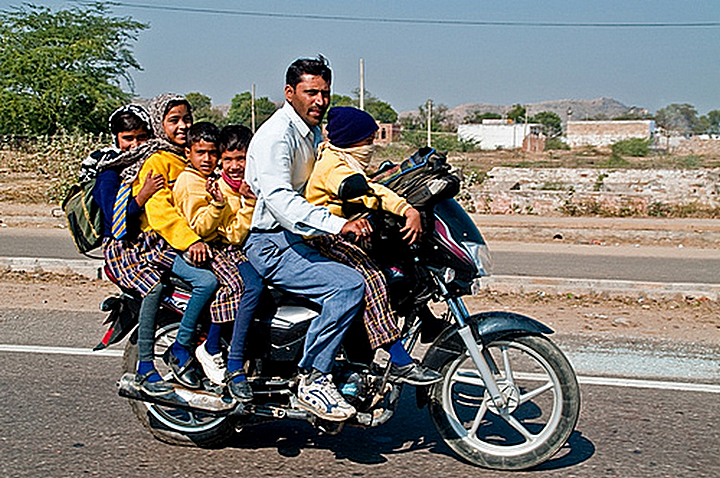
x=295 y=118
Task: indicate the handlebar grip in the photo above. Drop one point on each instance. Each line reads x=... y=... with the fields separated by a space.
x=351 y=237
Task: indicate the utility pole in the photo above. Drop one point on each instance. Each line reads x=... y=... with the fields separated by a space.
x=429 y=123
x=252 y=109
x=362 y=84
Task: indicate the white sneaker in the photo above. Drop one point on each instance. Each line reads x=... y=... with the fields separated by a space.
x=322 y=398
x=213 y=365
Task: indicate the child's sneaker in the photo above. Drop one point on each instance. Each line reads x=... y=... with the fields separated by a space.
x=322 y=398
x=212 y=365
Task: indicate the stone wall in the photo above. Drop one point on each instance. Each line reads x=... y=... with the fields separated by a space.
x=598 y=191
x=606 y=133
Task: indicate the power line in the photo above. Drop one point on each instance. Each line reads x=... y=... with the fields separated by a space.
x=419 y=21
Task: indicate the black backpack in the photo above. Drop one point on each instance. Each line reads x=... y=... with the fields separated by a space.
x=423 y=179
x=84 y=216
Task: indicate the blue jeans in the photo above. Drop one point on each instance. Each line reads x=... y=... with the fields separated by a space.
x=203 y=283
x=284 y=260
x=252 y=289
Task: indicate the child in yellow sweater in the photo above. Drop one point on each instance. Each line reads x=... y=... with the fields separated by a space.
x=351 y=133
x=221 y=216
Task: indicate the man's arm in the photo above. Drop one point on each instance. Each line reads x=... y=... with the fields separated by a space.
x=270 y=167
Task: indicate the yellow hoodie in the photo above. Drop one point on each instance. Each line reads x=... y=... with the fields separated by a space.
x=330 y=170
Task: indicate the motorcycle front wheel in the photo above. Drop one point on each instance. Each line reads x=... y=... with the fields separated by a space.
x=542 y=404
x=174 y=425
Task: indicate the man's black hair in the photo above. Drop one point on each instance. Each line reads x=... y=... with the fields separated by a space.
x=308 y=66
x=234 y=137
x=126 y=122
x=202 y=131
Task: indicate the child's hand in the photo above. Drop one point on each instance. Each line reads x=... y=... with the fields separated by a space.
x=198 y=254
x=153 y=183
x=245 y=191
x=413 y=225
x=213 y=188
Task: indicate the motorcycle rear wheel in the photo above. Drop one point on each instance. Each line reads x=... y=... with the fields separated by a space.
x=543 y=398
x=174 y=425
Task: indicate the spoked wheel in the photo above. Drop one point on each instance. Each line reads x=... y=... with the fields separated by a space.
x=174 y=425
x=542 y=404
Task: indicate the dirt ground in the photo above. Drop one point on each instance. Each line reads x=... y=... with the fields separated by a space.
x=691 y=320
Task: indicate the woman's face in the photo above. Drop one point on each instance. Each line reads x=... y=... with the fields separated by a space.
x=176 y=123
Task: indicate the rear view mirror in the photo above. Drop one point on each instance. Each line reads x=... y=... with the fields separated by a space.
x=353 y=187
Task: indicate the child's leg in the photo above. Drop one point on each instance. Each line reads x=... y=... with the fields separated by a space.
x=212 y=343
x=248 y=303
x=146 y=331
x=203 y=285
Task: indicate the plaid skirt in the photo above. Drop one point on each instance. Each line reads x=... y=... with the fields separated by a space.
x=225 y=306
x=379 y=319
x=138 y=264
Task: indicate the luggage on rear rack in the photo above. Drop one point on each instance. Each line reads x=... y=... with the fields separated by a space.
x=423 y=179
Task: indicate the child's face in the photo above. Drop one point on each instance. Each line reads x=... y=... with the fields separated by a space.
x=233 y=163
x=176 y=123
x=128 y=140
x=203 y=155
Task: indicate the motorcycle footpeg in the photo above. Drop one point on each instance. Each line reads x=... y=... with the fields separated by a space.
x=195 y=400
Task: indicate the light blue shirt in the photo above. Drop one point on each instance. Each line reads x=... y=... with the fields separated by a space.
x=280 y=159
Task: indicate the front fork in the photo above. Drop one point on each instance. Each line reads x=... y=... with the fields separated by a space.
x=460 y=313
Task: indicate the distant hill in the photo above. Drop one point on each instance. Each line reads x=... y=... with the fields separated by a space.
x=599 y=108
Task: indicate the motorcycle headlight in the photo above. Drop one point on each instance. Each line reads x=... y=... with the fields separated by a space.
x=481 y=257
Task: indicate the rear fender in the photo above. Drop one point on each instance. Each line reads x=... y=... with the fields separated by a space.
x=486 y=327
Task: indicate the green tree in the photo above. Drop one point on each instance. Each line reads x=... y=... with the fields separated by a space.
x=477 y=117
x=710 y=123
x=551 y=121
x=341 y=100
x=381 y=111
x=203 y=109
x=680 y=118
x=517 y=113
x=241 y=109
x=63 y=70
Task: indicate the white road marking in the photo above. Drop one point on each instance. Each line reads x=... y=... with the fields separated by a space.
x=42 y=349
x=582 y=379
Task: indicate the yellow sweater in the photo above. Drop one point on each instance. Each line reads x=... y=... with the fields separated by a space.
x=228 y=221
x=330 y=170
x=160 y=212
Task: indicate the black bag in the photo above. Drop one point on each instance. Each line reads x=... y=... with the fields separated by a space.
x=423 y=179
x=84 y=216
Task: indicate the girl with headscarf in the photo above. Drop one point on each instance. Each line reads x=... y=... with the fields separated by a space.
x=135 y=260
x=171 y=116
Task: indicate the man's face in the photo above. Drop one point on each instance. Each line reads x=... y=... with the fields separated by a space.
x=310 y=98
x=203 y=156
x=233 y=163
x=176 y=123
x=128 y=140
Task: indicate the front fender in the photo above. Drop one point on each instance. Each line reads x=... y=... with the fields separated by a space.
x=486 y=327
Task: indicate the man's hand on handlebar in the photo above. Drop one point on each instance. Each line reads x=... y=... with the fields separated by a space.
x=358 y=228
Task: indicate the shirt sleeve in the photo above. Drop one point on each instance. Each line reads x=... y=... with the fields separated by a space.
x=201 y=212
x=160 y=209
x=288 y=206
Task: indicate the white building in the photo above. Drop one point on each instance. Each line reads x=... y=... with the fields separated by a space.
x=498 y=134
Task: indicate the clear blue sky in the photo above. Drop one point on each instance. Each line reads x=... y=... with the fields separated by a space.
x=405 y=64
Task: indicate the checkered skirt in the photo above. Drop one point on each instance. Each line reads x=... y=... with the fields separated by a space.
x=225 y=306
x=379 y=319
x=138 y=264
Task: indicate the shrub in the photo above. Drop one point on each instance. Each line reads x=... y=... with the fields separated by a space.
x=635 y=147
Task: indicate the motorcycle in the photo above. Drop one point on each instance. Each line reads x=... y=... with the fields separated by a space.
x=508 y=400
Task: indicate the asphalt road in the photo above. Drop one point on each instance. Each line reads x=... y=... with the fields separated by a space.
x=60 y=416
x=644 y=264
